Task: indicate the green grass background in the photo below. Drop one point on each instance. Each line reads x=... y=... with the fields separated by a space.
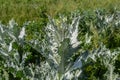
x=24 y=10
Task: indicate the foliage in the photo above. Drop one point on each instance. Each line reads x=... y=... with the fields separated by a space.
x=68 y=48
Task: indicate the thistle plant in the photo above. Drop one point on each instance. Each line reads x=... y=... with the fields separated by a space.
x=12 y=49
x=61 y=44
x=106 y=58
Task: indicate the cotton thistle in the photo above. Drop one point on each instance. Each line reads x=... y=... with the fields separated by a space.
x=63 y=42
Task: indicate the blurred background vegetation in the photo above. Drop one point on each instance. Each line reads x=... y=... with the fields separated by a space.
x=37 y=11
x=24 y=10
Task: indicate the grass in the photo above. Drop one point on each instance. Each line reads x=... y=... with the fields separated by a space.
x=24 y=10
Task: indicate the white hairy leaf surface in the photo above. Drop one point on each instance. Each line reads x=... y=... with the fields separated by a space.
x=22 y=33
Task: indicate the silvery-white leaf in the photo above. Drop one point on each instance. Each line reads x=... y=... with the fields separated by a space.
x=11 y=23
x=5 y=54
x=108 y=19
x=78 y=72
x=75 y=44
x=69 y=75
x=92 y=56
x=74 y=30
x=12 y=36
x=1 y=28
x=22 y=33
x=10 y=46
x=77 y=64
x=85 y=56
x=53 y=58
x=87 y=38
x=117 y=23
